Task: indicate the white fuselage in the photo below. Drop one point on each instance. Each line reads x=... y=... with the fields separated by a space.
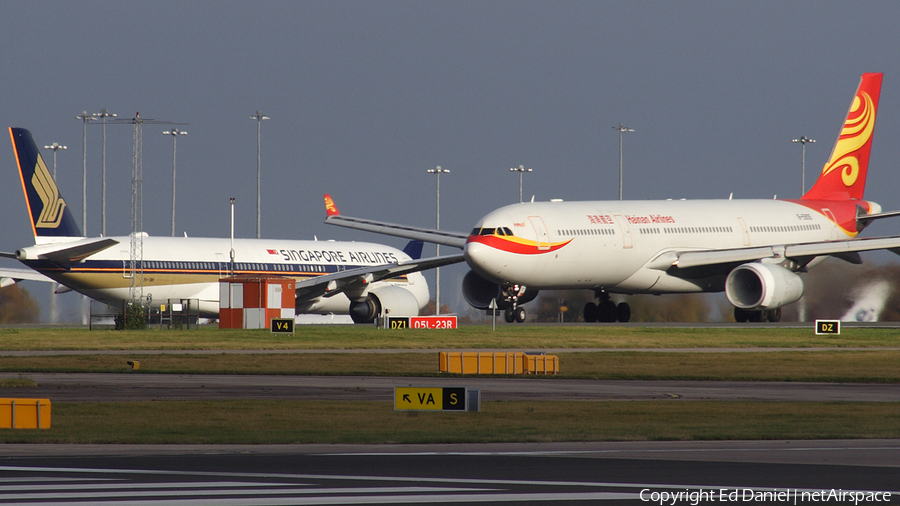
x=613 y=244
x=190 y=268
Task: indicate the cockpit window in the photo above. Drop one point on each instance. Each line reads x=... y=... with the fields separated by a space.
x=501 y=231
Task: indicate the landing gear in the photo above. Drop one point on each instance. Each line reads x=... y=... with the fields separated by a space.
x=746 y=315
x=606 y=310
x=590 y=312
x=514 y=312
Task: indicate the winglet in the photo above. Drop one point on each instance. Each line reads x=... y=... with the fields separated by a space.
x=844 y=175
x=330 y=208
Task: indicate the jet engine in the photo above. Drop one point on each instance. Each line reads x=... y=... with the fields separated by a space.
x=757 y=286
x=395 y=300
x=479 y=292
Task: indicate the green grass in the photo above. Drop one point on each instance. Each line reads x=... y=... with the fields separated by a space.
x=466 y=337
x=257 y=422
x=827 y=366
x=284 y=422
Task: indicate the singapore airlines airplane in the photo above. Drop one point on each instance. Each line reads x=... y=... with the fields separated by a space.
x=753 y=250
x=362 y=279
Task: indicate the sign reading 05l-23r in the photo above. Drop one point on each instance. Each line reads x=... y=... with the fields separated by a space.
x=422 y=322
x=429 y=398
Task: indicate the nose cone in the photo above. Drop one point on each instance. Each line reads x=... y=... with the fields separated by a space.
x=482 y=259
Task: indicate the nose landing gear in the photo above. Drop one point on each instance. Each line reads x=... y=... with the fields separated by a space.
x=513 y=312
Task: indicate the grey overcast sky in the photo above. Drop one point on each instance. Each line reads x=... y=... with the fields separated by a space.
x=364 y=97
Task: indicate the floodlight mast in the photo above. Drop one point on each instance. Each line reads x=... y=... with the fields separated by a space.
x=621 y=129
x=437 y=247
x=259 y=117
x=803 y=141
x=84 y=117
x=55 y=147
x=103 y=114
x=521 y=170
x=174 y=133
x=54 y=309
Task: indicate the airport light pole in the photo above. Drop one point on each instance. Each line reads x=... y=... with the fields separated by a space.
x=259 y=117
x=55 y=147
x=54 y=309
x=437 y=247
x=84 y=117
x=621 y=129
x=174 y=133
x=231 y=252
x=803 y=141
x=521 y=170
x=103 y=114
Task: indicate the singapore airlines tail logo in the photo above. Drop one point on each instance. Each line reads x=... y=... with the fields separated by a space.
x=53 y=205
x=856 y=133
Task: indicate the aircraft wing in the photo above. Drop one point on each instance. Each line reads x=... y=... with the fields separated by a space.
x=12 y=276
x=332 y=284
x=447 y=238
x=846 y=250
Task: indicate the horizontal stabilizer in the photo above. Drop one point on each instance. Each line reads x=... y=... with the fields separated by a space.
x=11 y=276
x=66 y=256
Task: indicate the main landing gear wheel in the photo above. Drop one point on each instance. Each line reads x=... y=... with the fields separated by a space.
x=747 y=315
x=509 y=316
x=590 y=312
x=606 y=310
x=623 y=312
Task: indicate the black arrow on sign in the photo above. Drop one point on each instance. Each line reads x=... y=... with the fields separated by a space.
x=406 y=398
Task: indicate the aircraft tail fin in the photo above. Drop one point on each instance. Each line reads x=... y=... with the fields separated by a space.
x=330 y=208
x=51 y=218
x=414 y=249
x=844 y=175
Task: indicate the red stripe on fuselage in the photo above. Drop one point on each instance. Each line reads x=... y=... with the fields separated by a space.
x=517 y=246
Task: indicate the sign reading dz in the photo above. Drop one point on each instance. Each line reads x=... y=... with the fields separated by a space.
x=429 y=399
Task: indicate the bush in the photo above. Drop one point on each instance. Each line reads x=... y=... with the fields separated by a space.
x=132 y=318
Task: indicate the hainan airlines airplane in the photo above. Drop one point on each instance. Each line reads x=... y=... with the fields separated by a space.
x=362 y=279
x=753 y=250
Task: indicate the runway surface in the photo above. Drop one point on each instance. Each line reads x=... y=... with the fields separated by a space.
x=61 y=387
x=801 y=472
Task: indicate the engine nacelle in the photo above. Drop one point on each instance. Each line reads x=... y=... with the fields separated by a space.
x=479 y=292
x=395 y=300
x=758 y=286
